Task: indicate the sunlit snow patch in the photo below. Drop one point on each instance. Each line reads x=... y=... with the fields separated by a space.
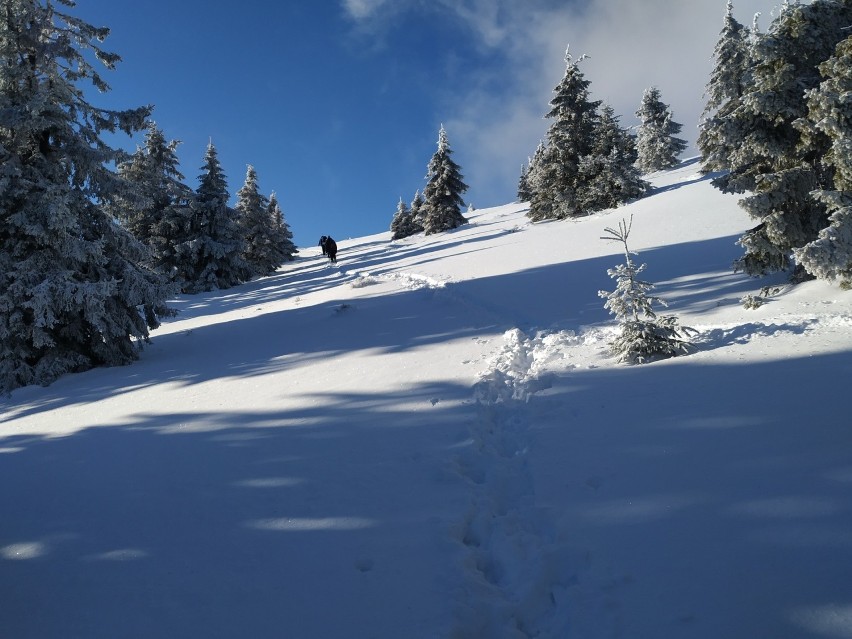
x=121 y=554
x=25 y=550
x=827 y=621
x=269 y=482
x=301 y=524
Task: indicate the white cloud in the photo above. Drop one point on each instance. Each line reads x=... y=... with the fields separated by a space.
x=631 y=46
x=485 y=17
x=362 y=9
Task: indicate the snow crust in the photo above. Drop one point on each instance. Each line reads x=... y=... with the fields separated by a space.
x=431 y=440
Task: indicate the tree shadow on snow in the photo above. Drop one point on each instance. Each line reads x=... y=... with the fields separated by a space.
x=715 y=496
x=256 y=524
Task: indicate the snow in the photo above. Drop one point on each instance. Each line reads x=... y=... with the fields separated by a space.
x=431 y=440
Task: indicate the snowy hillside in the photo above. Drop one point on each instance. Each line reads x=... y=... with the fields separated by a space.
x=431 y=440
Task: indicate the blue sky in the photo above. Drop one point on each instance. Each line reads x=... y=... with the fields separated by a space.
x=337 y=103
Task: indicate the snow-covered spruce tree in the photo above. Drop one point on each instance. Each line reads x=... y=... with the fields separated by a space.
x=257 y=229
x=72 y=292
x=285 y=249
x=403 y=224
x=159 y=211
x=442 y=197
x=418 y=215
x=773 y=160
x=656 y=144
x=216 y=244
x=532 y=168
x=734 y=124
x=608 y=175
x=524 y=192
x=555 y=178
x=829 y=257
x=528 y=174
x=397 y=225
x=643 y=334
x=724 y=91
x=138 y=210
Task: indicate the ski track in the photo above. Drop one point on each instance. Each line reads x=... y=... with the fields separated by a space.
x=411 y=281
x=513 y=571
x=416 y=281
x=508 y=586
x=517 y=575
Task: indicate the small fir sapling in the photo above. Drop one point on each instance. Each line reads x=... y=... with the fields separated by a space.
x=751 y=301
x=644 y=335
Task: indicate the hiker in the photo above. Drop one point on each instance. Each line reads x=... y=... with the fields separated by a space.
x=330 y=249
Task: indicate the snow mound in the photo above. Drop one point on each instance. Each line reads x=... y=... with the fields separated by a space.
x=524 y=365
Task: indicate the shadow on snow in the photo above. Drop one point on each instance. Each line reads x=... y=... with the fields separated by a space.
x=719 y=478
x=256 y=524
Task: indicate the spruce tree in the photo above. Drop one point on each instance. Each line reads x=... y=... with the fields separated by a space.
x=444 y=189
x=404 y=222
x=418 y=213
x=773 y=160
x=643 y=335
x=656 y=144
x=400 y=223
x=257 y=227
x=217 y=244
x=524 y=191
x=73 y=294
x=555 y=178
x=530 y=174
x=829 y=257
x=608 y=175
x=285 y=250
x=528 y=179
x=159 y=213
x=724 y=92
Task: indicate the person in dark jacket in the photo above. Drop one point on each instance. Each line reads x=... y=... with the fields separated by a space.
x=329 y=247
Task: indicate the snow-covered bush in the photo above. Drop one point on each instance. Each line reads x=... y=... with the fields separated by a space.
x=643 y=334
x=751 y=302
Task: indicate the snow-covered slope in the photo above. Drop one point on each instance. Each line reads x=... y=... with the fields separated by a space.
x=431 y=440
